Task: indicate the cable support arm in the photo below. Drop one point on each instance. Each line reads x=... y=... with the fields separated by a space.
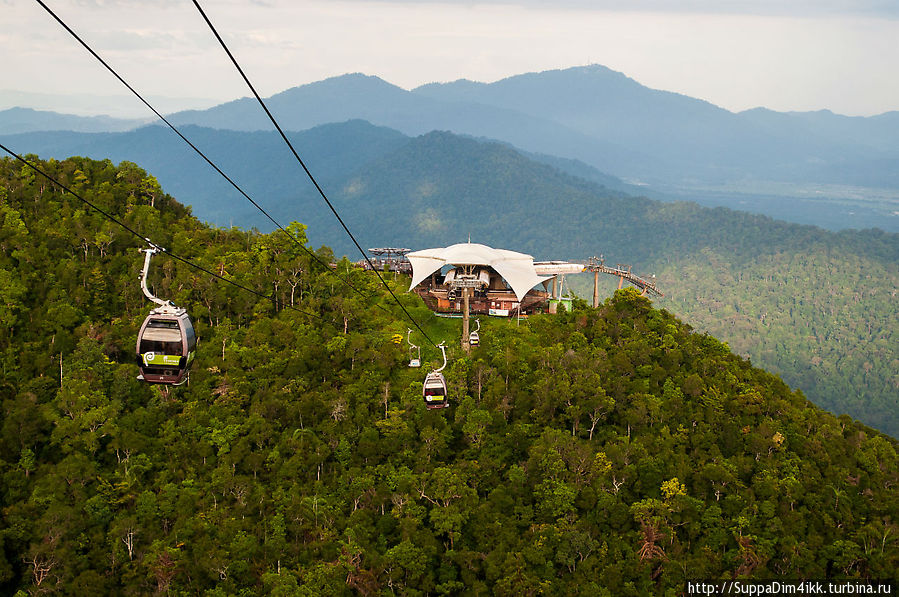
x=148 y=253
x=442 y=348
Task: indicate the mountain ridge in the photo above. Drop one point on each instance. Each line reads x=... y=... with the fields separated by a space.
x=25 y=120
x=677 y=145
x=812 y=167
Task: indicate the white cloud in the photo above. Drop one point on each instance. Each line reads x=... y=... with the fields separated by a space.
x=801 y=8
x=787 y=55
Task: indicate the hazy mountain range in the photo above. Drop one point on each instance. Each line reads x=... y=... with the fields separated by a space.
x=122 y=105
x=821 y=168
x=25 y=120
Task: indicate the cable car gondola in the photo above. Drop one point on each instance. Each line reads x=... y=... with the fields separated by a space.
x=474 y=338
x=166 y=341
x=434 y=388
x=165 y=346
x=414 y=361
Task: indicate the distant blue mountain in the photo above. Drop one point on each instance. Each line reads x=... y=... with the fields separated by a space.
x=687 y=138
x=604 y=119
x=26 y=120
x=369 y=98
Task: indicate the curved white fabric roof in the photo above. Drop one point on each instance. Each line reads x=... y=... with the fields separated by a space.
x=516 y=268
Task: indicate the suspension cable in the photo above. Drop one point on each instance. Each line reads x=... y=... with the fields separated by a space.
x=318 y=187
x=199 y=152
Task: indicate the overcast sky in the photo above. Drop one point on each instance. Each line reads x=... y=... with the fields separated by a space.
x=841 y=55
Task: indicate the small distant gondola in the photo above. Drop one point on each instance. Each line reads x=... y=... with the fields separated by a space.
x=474 y=338
x=166 y=341
x=434 y=388
x=414 y=359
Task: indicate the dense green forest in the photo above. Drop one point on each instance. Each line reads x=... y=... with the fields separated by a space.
x=609 y=451
x=835 y=340
x=819 y=312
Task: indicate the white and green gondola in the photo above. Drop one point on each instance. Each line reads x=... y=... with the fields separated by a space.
x=167 y=339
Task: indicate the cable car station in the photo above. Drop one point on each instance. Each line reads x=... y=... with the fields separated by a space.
x=471 y=278
x=492 y=281
x=502 y=283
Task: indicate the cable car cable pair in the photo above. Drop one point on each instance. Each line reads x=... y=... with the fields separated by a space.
x=308 y=173
x=299 y=160
x=199 y=152
x=296 y=155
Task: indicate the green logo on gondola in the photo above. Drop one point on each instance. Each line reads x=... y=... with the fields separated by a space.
x=161 y=360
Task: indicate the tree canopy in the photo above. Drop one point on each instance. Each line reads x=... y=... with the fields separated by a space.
x=609 y=451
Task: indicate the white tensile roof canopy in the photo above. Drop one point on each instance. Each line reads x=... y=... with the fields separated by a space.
x=516 y=268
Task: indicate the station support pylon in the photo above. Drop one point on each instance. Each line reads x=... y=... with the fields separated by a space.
x=466 y=344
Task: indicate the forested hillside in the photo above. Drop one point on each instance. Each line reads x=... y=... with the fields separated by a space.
x=257 y=161
x=814 y=306
x=610 y=451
